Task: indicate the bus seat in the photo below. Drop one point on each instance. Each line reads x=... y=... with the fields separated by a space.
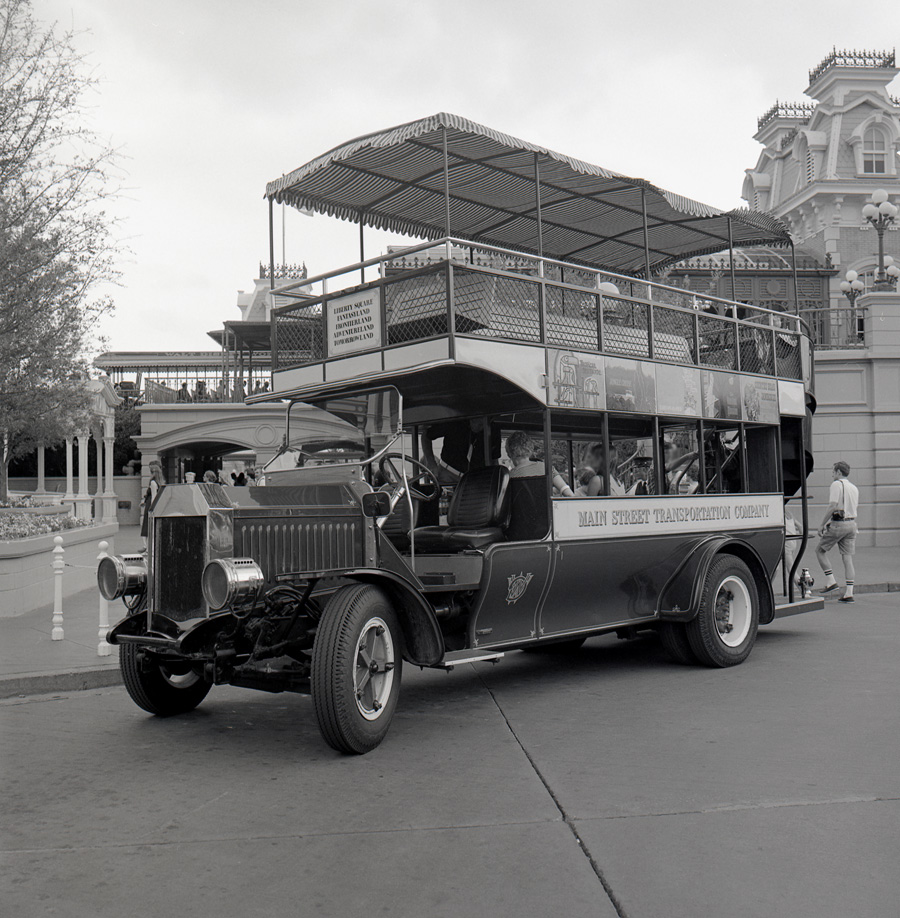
x=397 y=526
x=528 y=517
x=478 y=513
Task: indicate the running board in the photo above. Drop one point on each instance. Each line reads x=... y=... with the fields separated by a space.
x=458 y=657
x=801 y=605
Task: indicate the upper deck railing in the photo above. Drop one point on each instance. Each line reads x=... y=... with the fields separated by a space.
x=488 y=292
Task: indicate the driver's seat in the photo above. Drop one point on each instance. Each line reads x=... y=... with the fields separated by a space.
x=478 y=512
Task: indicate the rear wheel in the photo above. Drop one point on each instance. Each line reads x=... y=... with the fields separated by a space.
x=356 y=669
x=724 y=631
x=161 y=687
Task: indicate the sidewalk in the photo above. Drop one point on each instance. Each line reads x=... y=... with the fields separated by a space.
x=31 y=663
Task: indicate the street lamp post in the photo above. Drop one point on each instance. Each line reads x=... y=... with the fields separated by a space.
x=852 y=287
x=880 y=212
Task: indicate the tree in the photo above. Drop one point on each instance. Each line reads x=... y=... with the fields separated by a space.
x=55 y=238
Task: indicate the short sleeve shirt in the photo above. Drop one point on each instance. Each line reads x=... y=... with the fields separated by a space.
x=845 y=495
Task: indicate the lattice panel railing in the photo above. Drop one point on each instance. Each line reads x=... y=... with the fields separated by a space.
x=717 y=342
x=416 y=307
x=299 y=337
x=756 y=350
x=625 y=327
x=571 y=317
x=496 y=306
x=788 y=362
x=673 y=335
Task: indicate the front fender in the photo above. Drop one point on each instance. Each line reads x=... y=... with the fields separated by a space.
x=132 y=625
x=679 y=600
x=422 y=638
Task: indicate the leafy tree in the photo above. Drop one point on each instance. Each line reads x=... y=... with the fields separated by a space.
x=128 y=425
x=55 y=237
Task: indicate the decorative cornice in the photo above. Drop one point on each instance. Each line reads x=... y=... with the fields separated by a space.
x=870 y=60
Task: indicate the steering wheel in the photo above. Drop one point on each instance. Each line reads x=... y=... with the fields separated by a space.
x=422 y=476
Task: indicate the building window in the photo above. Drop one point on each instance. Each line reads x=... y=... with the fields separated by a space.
x=810 y=167
x=874 y=152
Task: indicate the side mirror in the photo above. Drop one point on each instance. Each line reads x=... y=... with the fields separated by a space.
x=376 y=504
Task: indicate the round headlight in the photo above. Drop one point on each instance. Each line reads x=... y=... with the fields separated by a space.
x=231 y=582
x=122 y=575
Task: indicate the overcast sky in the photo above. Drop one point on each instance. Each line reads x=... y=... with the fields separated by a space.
x=210 y=99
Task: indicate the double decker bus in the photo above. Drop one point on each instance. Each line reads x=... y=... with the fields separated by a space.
x=528 y=449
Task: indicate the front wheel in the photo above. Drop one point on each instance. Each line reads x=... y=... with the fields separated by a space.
x=356 y=669
x=724 y=630
x=163 y=688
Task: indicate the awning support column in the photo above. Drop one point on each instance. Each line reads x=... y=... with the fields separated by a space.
x=794 y=278
x=446 y=191
x=646 y=238
x=362 y=250
x=271 y=246
x=731 y=259
x=537 y=203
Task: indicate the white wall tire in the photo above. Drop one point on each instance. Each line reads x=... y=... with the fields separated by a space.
x=356 y=669
x=724 y=630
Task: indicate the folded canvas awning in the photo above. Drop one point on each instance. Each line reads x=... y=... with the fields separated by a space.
x=399 y=180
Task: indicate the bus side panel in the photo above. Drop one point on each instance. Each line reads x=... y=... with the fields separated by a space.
x=601 y=583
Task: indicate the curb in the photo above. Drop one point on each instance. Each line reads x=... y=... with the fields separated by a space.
x=45 y=683
x=887 y=587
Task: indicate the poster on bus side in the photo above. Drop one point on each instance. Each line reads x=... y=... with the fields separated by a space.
x=759 y=398
x=630 y=385
x=576 y=380
x=722 y=395
x=678 y=390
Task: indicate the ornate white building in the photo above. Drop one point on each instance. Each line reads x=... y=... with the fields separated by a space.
x=821 y=162
x=823 y=159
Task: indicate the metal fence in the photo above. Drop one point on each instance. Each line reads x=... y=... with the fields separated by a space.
x=833 y=329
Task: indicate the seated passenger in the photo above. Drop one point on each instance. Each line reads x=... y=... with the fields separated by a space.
x=520 y=448
x=593 y=474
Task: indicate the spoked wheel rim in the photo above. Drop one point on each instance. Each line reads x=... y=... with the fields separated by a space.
x=733 y=611
x=373 y=672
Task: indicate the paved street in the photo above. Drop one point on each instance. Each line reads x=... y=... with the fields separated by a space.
x=610 y=782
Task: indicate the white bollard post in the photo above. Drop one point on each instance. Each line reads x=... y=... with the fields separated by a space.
x=58 y=566
x=104 y=649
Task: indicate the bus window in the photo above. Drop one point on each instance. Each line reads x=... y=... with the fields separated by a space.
x=762 y=460
x=680 y=452
x=633 y=463
x=578 y=454
x=723 y=460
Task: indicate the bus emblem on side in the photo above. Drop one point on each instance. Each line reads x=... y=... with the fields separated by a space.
x=518 y=583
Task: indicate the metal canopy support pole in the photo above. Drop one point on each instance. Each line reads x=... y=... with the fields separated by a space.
x=446 y=191
x=362 y=250
x=646 y=238
x=537 y=201
x=794 y=277
x=731 y=258
x=542 y=301
x=271 y=247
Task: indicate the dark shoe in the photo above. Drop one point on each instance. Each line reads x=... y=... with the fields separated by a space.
x=847 y=599
x=831 y=589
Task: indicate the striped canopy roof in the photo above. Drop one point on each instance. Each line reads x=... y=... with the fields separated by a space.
x=394 y=180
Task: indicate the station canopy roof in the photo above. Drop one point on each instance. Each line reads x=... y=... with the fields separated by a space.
x=394 y=180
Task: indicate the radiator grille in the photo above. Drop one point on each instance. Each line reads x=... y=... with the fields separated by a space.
x=179 y=557
x=299 y=545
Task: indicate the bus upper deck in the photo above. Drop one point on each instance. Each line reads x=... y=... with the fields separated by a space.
x=527 y=247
